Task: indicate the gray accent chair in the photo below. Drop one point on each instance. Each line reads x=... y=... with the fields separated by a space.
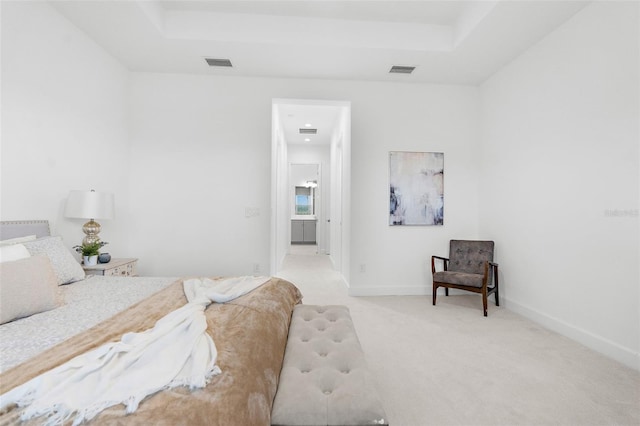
x=469 y=267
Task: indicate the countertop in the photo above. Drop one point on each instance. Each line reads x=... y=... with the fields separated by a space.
x=303 y=217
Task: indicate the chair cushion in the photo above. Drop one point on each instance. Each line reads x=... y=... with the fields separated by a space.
x=469 y=256
x=460 y=278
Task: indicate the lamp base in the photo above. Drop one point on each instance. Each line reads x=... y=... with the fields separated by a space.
x=91 y=229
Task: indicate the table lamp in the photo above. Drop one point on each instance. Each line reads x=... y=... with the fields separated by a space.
x=90 y=205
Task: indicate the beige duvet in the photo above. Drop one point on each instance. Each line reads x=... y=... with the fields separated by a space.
x=250 y=334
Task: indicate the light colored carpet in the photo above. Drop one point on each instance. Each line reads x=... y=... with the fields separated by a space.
x=448 y=365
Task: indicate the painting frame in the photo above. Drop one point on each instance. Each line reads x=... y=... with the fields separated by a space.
x=416 y=188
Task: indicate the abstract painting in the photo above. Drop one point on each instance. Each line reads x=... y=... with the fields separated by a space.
x=416 y=188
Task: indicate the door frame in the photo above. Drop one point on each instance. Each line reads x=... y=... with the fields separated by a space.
x=340 y=202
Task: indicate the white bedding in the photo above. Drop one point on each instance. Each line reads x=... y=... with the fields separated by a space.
x=86 y=303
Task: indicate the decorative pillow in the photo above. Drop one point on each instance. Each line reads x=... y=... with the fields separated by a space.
x=27 y=286
x=67 y=269
x=18 y=240
x=13 y=252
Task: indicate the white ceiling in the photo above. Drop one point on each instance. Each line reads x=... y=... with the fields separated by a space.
x=296 y=116
x=449 y=42
x=432 y=12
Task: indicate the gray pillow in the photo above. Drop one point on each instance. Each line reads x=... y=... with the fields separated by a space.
x=67 y=269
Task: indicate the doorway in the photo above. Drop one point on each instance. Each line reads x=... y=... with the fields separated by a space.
x=312 y=132
x=306 y=202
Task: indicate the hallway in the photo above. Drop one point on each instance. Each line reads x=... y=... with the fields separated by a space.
x=314 y=275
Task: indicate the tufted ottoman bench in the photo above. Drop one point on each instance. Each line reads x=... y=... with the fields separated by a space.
x=324 y=378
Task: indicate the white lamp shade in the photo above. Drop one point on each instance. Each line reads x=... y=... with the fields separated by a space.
x=89 y=205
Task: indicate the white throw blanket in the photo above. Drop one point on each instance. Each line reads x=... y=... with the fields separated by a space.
x=177 y=351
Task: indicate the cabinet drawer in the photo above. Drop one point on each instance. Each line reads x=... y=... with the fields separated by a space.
x=115 y=268
x=127 y=270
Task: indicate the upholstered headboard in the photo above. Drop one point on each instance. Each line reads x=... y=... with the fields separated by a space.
x=22 y=228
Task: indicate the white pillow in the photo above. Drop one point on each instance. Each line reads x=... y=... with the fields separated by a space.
x=18 y=240
x=13 y=252
x=66 y=267
x=27 y=286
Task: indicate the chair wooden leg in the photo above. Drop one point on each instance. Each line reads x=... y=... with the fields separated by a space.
x=497 y=296
x=435 y=290
x=484 y=301
x=446 y=291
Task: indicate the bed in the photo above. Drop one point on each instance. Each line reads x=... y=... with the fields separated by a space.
x=250 y=334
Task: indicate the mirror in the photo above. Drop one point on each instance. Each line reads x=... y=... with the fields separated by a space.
x=305 y=199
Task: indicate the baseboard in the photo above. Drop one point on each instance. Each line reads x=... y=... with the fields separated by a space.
x=401 y=291
x=606 y=347
x=390 y=291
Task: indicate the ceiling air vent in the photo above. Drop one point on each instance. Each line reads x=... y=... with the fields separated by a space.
x=399 y=69
x=308 y=131
x=213 y=62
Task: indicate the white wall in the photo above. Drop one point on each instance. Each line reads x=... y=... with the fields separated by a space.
x=64 y=122
x=201 y=148
x=340 y=195
x=280 y=218
x=559 y=154
x=395 y=259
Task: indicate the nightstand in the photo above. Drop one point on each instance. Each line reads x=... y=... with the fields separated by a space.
x=115 y=268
